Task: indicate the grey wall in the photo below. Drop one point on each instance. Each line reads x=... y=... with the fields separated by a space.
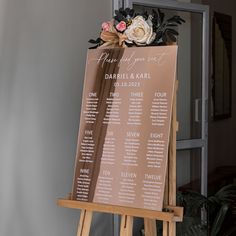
x=222 y=134
x=42 y=56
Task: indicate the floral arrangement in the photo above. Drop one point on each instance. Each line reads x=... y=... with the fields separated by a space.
x=128 y=29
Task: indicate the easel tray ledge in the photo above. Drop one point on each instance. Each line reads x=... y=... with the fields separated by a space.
x=175 y=214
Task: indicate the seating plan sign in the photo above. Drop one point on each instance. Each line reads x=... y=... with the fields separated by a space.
x=124 y=129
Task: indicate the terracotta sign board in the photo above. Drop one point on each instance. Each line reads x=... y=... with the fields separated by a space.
x=124 y=126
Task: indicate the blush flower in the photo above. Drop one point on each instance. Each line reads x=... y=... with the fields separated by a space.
x=106 y=26
x=111 y=36
x=140 y=31
x=121 y=26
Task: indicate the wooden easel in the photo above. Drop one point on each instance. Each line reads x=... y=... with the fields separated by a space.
x=169 y=216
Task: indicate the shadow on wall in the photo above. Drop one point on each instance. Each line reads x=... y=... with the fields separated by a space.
x=42 y=56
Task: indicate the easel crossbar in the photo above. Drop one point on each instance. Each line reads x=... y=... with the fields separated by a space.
x=175 y=214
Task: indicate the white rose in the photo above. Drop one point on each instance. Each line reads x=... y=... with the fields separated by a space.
x=140 y=32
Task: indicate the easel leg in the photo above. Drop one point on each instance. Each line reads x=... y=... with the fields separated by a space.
x=166 y=201
x=150 y=227
x=172 y=162
x=169 y=228
x=84 y=223
x=172 y=230
x=165 y=228
x=126 y=226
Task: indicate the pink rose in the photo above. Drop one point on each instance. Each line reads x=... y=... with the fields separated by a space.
x=106 y=26
x=121 y=26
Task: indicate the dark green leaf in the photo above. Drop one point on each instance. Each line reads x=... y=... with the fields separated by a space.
x=182 y=20
x=219 y=219
x=129 y=44
x=131 y=12
x=94 y=47
x=158 y=35
x=120 y=15
x=227 y=193
x=127 y=11
x=161 y=15
x=171 y=24
x=174 y=32
x=171 y=37
x=145 y=15
x=92 y=41
x=179 y=22
x=164 y=38
x=196 y=230
x=117 y=12
x=119 y=18
x=98 y=40
x=123 y=12
x=176 y=19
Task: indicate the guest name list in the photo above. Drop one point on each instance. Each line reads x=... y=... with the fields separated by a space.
x=124 y=128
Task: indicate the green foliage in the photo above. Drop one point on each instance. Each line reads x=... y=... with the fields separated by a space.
x=219 y=219
x=217 y=206
x=196 y=230
x=165 y=31
x=124 y=14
